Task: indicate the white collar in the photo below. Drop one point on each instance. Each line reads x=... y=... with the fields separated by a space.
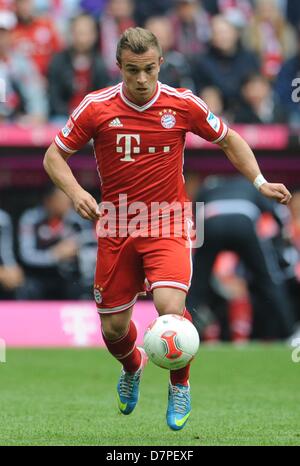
x=138 y=107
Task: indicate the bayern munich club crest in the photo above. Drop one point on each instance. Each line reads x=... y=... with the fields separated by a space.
x=97 y=296
x=168 y=119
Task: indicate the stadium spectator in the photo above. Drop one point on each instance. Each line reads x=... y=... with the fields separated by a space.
x=291 y=11
x=244 y=8
x=175 y=70
x=6 y=5
x=25 y=100
x=35 y=37
x=226 y=64
x=232 y=209
x=11 y=274
x=270 y=36
x=93 y=7
x=212 y=96
x=259 y=104
x=76 y=70
x=144 y=9
x=49 y=239
x=191 y=27
x=295 y=219
x=60 y=11
x=287 y=87
x=117 y=17
x=292 y=254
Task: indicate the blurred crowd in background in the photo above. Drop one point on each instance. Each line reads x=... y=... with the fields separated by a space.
x=241 y=56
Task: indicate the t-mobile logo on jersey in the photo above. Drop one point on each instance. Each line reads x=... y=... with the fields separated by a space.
x=128 y=137
x=129 y=149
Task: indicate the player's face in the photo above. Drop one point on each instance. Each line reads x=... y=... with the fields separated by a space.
x=140 y=74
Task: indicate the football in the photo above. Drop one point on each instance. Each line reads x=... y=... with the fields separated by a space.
x=171 y=341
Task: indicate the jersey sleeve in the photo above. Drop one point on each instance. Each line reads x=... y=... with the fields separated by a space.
x=79 y=128
x=203 y=122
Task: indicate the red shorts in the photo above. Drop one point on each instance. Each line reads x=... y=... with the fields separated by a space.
x=129 y=266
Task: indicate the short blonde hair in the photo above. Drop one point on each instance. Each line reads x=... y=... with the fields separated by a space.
x=138 y=40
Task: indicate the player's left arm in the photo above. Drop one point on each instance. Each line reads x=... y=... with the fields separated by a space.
x=242 y=157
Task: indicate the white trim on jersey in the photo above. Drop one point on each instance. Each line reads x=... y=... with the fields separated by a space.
x=124 y=307
x=169 y=284
x=187 y=94
x=143 y=107
x=63 y=146
x=224 y=132
x=91 y=96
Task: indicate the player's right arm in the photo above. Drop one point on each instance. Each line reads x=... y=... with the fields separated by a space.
x=77 y=132
x=57 y=167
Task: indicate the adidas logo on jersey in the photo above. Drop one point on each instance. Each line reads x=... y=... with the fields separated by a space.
x=116 y=123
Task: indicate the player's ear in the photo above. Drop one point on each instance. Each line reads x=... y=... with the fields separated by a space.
x=118 y=65
x=160 y=62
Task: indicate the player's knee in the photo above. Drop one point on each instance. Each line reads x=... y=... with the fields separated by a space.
x=170 y=308
x=113 y=331
x=169 y=301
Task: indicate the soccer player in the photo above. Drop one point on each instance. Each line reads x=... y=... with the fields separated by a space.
x=138 y=129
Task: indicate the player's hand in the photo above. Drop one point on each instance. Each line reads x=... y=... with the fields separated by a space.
x=65 y=249
x=85 y=205
x=276 y=191
x=11 y=277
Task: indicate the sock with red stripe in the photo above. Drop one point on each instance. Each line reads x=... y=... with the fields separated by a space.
x=181 y=376
x=125 y=350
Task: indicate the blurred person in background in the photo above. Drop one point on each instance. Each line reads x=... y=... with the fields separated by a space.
x=232 y=209
x=60 y=12
x=34 y=36
x=213 y=98
x=295 y=219
x=175 y=70
x=287 y=87
x=292 y=255
x=216 y=7
x=49 y=241
x=118 y=16
x=291 y=10
x=6 y=5
x=270 y=36
x=93 y=7
x=259 y=103
x=226 y=64
x=76 y=70
x=191 y=27
x=144 y=9
x=11 y=274
x=25 y=100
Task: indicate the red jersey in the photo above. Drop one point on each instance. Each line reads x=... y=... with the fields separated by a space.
x=37 y=40
x=139 y=150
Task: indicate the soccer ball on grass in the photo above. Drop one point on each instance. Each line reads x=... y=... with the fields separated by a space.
x=171 y=341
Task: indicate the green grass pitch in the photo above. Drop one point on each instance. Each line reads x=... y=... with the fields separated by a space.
x=246 y=396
